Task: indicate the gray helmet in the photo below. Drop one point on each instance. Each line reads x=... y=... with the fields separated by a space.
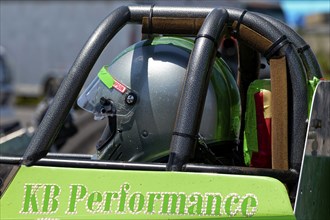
x=139 y=93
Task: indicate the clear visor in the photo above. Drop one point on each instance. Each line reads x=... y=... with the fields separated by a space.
x=105 y=96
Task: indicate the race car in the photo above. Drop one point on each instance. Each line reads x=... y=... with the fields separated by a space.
x=185 y=138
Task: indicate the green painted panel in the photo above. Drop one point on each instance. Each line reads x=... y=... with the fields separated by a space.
x=62 y=193
x=313 y=196
x=314 y=192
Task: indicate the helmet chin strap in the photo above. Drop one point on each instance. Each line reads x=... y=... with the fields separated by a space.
x=108 y=133
x=110 y=143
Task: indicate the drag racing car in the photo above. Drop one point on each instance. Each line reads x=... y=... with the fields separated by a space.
x=185 y=137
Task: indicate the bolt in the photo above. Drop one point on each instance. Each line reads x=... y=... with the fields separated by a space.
x=130 y=99
x=145 y=133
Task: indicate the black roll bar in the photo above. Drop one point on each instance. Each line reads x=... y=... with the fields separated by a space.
x=188 y=119
x=305 y=52
x=286 y=176
x=72 y=84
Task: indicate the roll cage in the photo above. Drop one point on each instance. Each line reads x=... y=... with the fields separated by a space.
x=256 y=33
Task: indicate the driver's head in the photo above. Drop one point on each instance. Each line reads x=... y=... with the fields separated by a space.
x=139 y=93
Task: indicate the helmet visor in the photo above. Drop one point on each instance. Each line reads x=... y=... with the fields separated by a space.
x=105 y=96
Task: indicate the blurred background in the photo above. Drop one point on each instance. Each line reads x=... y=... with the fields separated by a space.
x=41 y=39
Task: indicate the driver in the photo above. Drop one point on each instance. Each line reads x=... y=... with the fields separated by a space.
x=139 y=92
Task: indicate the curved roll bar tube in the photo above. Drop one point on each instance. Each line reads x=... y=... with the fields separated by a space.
x=303 y=49
x=193 y=96
x=265 y=28
x=72 y=84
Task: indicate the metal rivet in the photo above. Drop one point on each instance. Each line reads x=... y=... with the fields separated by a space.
x=145 y=133
x=130 y=99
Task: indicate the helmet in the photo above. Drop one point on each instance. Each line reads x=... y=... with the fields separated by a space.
x=139 y=93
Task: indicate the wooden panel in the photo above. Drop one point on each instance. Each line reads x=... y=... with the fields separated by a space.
x=279 y=108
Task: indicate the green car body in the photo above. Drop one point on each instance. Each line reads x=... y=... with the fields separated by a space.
x=70 y=193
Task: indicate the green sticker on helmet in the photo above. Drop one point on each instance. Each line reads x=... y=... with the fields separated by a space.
x=105 y=77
